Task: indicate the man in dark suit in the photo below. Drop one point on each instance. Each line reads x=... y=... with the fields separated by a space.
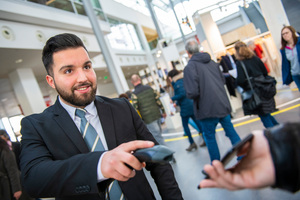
x=55 y=159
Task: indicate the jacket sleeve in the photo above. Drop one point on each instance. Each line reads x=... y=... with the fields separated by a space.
x=191 y=82
x=261 y=66
x=285 y=69
x=45 y=176
x=13 y=172
x=158 y=102
x=163 y=175
x=179 y=92
x=284 y=142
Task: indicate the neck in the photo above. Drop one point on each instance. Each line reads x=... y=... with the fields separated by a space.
x=137 y=84
x=290 y=43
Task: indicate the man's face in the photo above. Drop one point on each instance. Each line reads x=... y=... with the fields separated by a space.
x=73 y=77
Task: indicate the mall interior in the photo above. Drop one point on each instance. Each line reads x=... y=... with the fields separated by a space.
x=146 y=37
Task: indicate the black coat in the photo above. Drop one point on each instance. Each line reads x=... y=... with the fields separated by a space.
x=9 y=175
x=204 y=83
x=284 y=142
x=56 y=162
x=255 y=67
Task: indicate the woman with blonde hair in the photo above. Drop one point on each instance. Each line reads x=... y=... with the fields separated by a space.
x=290 y=54
x=255 y=68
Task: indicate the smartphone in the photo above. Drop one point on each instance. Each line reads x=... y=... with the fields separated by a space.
x=231 y=153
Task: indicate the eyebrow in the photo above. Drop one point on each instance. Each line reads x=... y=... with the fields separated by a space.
x=71 y=66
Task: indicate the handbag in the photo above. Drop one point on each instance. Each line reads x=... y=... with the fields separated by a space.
x=251 y=100
x=265 y=86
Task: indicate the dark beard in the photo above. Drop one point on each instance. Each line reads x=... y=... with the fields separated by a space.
x=82 y=101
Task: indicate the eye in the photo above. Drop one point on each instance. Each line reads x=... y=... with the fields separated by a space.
x=68 y=71
x=87 y=66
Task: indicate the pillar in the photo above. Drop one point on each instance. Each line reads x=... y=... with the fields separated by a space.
x=212 y=33
x=275 y=17
x=27 y=91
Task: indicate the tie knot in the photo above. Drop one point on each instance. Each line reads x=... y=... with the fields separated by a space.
x=80 y=113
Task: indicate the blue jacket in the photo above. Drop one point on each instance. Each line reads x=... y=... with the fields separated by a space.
x=186 y=105
x=286 y=65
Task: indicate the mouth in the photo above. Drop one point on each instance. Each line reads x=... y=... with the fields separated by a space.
x=83 y=89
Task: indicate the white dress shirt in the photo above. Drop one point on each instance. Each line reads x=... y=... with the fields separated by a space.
x=93 y=118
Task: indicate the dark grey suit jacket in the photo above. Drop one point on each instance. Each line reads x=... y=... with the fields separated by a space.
x=56 y=162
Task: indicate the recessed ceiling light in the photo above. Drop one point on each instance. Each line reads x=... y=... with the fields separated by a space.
x=19 y=61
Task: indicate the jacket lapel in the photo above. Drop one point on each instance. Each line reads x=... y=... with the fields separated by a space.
x=65 y=122
x=106 y=119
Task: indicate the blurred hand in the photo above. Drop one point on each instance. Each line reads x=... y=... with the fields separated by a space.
x=113 y=162
x=255 y=170
x=164 y=115
x=17 y=194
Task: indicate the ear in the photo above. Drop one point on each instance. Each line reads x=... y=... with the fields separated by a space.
x=50 y=81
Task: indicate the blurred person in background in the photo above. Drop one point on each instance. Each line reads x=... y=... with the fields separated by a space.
x=255 y=67
x=205 y=84
x=16 y=148
x=10 y=185
x=186 y=106
x=257 y=49
x=290 y=54
x=147 y=102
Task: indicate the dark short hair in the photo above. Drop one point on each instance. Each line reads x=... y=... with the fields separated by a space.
x=58 y=43
x=4 y=133
x=173 y=73
x=123 y=95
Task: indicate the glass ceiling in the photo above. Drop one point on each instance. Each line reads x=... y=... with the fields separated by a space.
x=184 y=10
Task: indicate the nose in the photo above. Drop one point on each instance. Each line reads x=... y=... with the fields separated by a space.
x=81 y=76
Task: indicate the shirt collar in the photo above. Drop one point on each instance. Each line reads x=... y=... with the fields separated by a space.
x=91 y=108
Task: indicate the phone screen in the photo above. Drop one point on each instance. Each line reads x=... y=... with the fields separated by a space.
x=231 y=153
x=235 y=149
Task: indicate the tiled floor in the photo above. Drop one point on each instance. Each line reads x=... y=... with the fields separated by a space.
x=189 y=164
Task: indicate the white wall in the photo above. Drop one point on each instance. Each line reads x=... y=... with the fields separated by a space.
x=34 y=13
x=29 y=31
x=112 y=8
x=230 y=24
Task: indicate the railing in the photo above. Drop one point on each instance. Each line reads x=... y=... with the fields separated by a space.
x=75 y=6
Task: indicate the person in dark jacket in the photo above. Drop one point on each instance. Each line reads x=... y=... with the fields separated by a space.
x=81 y=147
x=290 y=54
x=204 y=83
x=255 y=67
x=16 y=148
x=185 y=104
x=147 y=102
x=10 y=185
x=272 y=159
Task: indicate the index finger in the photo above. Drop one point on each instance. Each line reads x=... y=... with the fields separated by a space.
x=136 y=144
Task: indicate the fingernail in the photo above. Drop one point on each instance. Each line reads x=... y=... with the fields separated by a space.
x=198 y=187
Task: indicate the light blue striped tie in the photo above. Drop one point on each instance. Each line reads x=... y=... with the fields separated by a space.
x=94 y=143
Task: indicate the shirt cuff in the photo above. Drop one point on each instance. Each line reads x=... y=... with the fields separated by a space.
x=100 y=176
